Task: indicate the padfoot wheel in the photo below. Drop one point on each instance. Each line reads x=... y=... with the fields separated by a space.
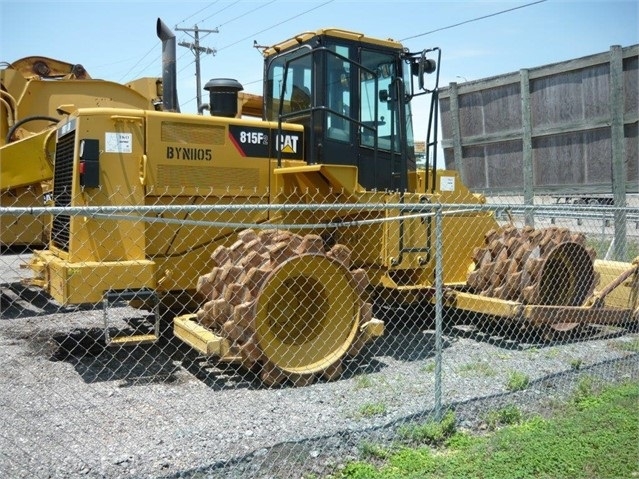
x=290 y=309
x=550 y=266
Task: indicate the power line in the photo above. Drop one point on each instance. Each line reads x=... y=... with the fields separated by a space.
x=137 y=63
x=185 y=66
x=220 y=11
x=200 y=10
x=243 y=15
x=277 y=24
x=472 y=20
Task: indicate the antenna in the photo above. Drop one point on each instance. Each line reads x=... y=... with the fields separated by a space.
x=197 y=49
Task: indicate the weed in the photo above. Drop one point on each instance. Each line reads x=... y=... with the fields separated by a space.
x=517 y=381
x=369 y=450
x=364 y=382
x=585 y=396
x=503 y=417
x=372 y=409
x=552 y=353
x=431 y=432
x=429 y=367
x=575 y=364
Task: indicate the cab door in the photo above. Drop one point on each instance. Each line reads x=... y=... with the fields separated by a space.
x=362 y=116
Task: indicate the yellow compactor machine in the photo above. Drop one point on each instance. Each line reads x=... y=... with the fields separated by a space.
x=334 y=129
x=35 y=94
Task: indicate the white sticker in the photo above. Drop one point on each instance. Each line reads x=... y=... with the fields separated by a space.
x=118 y=142
x=446 y=183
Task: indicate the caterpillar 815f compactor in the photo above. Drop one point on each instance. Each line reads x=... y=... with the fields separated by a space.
x=285 y=298
x=36 y=93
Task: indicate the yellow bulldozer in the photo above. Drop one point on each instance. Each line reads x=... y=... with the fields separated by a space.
x=150 y=205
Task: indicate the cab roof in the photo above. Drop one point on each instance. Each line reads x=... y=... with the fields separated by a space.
x=334 y=33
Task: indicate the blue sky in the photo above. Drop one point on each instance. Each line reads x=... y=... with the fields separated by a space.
x=115 y=40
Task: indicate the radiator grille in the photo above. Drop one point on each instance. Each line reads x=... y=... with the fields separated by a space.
x=62 y=183
x=192 y=133
x=181 y=176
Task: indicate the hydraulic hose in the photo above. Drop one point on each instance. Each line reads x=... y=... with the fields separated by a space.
x=19 y=123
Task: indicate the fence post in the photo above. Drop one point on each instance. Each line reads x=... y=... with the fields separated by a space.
x=527 y=149
x=439 y=298
x=458 y=154
x=619 y=170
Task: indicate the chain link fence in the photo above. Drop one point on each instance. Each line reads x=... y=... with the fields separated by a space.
x=250 y=335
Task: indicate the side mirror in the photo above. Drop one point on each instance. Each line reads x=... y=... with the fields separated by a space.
x=423 y=66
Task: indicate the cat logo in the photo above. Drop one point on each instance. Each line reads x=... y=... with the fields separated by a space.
x=287 y=143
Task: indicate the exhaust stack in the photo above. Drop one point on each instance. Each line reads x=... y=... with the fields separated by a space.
x=169 y=71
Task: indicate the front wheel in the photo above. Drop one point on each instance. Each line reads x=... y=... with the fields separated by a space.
x=291 y=309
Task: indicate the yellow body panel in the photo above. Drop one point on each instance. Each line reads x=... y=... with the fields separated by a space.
x=17 y=172
x=620 y=297
x=377 y=244
x=23 y=229
x=213 y=170
x=86 y=282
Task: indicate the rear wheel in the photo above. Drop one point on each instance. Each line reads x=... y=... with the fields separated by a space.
x=551 y=266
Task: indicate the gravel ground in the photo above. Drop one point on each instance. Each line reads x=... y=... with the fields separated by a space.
x=73 y=408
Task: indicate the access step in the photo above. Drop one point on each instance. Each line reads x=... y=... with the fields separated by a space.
x=146 y=295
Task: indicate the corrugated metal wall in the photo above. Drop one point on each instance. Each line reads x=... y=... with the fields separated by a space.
x=569 y=127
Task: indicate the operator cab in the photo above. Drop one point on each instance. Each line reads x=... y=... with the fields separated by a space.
x=352 y=93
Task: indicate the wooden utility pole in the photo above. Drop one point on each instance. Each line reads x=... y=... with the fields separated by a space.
x=197 y=49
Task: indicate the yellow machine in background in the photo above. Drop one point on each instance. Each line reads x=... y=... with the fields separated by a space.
x=335 y=129
x=35 y=94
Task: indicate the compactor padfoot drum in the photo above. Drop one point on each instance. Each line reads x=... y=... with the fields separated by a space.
x=289 y=308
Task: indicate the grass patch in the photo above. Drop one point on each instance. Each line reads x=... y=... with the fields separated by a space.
x=372 y=409
x=479 y=367
x=429 y=367
x=363 y=382
x=506 y=416
x=593 y=436
x=517 y=381
x=431 y=432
